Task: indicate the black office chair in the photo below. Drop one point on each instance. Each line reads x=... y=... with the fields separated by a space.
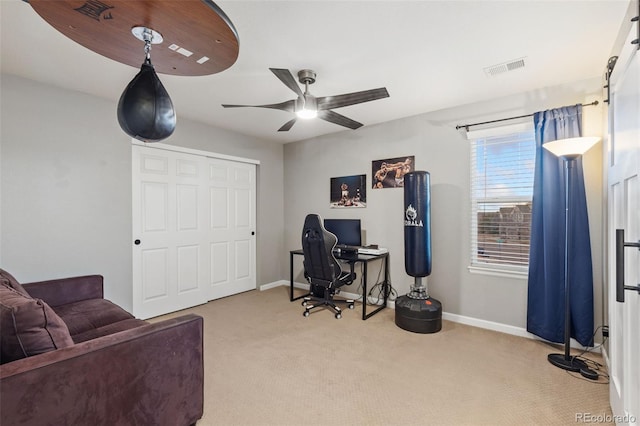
x=322 y=270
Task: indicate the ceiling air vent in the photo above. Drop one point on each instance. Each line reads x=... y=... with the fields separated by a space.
x=504 y=67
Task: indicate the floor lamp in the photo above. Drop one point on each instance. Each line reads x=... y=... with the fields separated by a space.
x=569 y=150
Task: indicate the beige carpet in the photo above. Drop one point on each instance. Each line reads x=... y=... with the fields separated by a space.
x=265 y=364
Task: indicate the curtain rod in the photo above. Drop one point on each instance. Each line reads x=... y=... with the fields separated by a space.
x=466 y=126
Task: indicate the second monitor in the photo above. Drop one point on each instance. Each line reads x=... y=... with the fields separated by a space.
x=347 y=231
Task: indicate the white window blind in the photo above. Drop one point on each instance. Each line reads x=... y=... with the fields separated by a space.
x=501 y=194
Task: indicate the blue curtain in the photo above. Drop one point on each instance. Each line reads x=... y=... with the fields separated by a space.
x=546 y=301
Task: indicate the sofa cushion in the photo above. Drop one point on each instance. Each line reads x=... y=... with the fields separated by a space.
x=28 y=326
x=90 y=314
x=108 y=329
x=8 y=280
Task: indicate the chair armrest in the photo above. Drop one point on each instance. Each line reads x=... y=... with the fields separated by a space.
x=67 y=290
x=153 y=374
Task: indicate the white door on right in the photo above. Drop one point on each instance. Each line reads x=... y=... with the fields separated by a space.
x=231 y=227
x=624 y=213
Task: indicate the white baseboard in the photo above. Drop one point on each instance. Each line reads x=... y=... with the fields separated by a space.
x=461 y=319
x=489 y=325
x=274 y=284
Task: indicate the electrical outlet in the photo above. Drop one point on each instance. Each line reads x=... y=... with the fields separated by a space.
x=605 y=331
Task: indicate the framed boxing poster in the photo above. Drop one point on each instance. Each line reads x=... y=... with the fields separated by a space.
x=389 y=173
x=348 y=191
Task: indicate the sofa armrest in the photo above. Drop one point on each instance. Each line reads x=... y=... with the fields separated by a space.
x=67 y=290
x=153 y=374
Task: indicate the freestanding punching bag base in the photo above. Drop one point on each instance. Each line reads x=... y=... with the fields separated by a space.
x=419 y=315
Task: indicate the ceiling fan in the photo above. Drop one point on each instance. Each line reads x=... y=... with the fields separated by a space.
x=309 y=106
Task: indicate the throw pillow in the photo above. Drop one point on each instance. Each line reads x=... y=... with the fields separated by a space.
x=8 y=279
x=28 y=326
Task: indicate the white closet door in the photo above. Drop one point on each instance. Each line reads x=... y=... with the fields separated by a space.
x=180 y=203
x=232 y=224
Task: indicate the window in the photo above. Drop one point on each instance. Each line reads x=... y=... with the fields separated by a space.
x=502 y=169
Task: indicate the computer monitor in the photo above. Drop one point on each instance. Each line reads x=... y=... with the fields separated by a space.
x=347 y=230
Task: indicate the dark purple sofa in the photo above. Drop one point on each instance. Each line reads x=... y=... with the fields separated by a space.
x=70 y=357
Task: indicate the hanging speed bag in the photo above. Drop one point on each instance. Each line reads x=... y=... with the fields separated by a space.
x=145 y=110
x=417 y=224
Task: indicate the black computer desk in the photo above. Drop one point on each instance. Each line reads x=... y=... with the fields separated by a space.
x=352 y=259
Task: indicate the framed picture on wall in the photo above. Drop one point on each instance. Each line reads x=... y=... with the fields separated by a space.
x=348 y=192
x=389 y=173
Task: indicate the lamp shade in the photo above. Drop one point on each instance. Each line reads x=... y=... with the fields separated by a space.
x=571 y=147
x=145 y=110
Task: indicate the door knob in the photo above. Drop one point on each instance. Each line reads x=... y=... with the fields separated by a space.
x=620 y=245
x=136 y=242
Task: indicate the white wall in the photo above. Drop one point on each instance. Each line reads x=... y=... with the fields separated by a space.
x=66 y=187
x=444 y=152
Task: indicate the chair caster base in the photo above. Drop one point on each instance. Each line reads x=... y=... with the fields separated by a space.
x=310 y=303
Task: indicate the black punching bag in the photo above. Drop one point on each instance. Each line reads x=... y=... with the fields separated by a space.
x=145 y=110
x=417 y=224
x=417 y=311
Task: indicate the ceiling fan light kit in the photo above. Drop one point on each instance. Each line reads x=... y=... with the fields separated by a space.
x=307 y=106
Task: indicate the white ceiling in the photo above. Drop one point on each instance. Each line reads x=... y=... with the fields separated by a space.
x=430 y=55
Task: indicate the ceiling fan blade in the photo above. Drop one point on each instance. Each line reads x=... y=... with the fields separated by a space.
x=284 y=106
x=286 y=126
x=334 y=117
x=287 y=78
x=330 y=102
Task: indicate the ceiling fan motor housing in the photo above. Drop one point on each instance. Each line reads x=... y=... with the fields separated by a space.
x=306 y=76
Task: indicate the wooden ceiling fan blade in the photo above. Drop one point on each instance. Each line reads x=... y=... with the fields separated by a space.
x=335 y=118
x=288 y=125
x=338 y=101
x=285 y=76
x=284 y=106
